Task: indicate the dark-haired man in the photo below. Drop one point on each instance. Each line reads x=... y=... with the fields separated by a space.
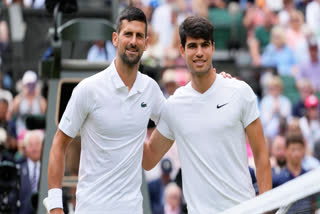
x=209 y=119
x=295 y=150
x=111 y=109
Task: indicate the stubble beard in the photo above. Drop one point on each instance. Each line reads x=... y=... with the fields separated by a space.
x=130 y=61
x=200 y=73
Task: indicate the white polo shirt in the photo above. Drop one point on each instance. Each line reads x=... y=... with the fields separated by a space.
x=112 y=124
x=209 y=130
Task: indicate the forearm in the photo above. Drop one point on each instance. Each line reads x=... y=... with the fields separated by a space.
x=57 y=159
x=155 y=149
x=56 y=168
x=149 y=159
x=263 y=173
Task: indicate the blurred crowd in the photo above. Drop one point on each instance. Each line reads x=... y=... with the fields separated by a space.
x=283 y=41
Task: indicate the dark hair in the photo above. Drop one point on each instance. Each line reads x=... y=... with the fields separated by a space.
x=131 y=14
x=294 y=138
x=196 y=27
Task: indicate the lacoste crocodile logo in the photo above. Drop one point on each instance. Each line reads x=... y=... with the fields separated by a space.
x=143 y=105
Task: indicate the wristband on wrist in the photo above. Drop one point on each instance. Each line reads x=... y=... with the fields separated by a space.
x=54 y=199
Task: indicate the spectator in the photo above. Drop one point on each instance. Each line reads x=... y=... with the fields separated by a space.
x=169 y=82
x=296 y=32
x=30 y=169
x=173 y=79
x=28 y=101
x=261 y=38
x=313 y=17
x=278 y=154
x=305 y=89
x=284 y=14
x=310 y=123
x=172 y=199
x=157 y=187
x=164 y=21
x=254 y=16
x=278 y=55
x=10 y=132
x=311 y=68
x=154 y=55
x=274 y=107
x=102 y=51
x=294 y=155
x=173 y=57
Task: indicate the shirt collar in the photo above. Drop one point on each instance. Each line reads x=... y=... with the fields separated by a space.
x=139 y=84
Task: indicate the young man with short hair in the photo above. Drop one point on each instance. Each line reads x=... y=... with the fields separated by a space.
x=209 y=119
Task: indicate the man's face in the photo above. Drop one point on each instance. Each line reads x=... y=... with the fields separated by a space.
x=130 y=41
x=34 y=148
x=295 y=153
x=279 y=150
x=198 y=55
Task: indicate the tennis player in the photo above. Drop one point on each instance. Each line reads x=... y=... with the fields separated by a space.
x=209 y=119
x=111 y=110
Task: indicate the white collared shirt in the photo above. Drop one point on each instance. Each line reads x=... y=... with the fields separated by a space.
x=112 y=123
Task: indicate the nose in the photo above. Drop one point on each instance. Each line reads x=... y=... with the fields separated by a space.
x=199 y=52
x=133 y=40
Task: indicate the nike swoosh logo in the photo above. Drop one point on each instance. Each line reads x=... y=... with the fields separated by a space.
x=219 y=106
x=143 y=105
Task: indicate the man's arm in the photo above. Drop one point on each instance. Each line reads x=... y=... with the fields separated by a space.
x=57 y=162
x=260 y=154
x=155 y=149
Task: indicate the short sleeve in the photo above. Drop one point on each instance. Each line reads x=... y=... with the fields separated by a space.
x=164 y=126
x=158 y=103
x=75 y=112
x=250 y=111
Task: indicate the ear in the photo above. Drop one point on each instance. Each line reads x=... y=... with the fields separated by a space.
x=115 y=39
x=146 y=43
x=213 y=48
x=181 y=50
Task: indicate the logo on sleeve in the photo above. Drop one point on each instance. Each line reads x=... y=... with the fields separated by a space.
x=143 y=105
x=219 y=106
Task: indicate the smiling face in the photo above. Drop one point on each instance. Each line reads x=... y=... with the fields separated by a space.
x=198 y=55
x=130 y=41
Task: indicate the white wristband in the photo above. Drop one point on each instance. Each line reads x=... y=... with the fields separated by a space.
x=54 y=198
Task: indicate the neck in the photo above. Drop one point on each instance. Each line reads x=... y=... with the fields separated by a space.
x=295 y=169
x=127 y=73
x=202 y=83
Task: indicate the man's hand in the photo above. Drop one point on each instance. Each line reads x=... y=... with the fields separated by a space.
x=225 y=75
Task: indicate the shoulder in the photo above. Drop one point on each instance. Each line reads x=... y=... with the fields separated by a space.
x=93 y=82
x=239 y=85
x=148 y=80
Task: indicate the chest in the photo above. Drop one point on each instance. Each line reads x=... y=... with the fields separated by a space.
x=117 y=115
x=209 y=115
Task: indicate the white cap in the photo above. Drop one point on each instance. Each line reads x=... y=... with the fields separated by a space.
x=29 y=77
